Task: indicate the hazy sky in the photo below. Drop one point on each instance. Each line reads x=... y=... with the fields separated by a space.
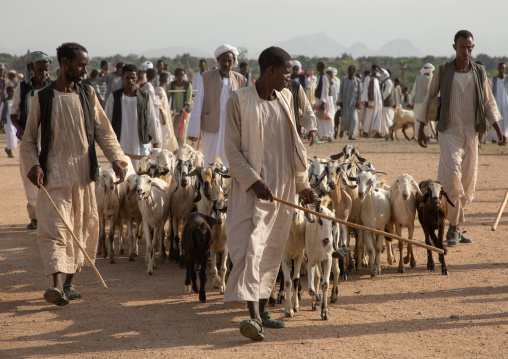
x=107 y=27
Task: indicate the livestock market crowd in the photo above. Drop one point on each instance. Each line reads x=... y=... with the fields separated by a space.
x=222 y=203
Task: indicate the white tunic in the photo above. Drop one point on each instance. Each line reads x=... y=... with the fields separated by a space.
x=372 y=118
x=501 y=97
x=325 y=127
x=10 y=130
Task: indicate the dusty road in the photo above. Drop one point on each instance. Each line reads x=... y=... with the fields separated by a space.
x=418 y=314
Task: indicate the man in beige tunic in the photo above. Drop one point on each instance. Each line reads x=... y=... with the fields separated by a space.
x=466 y=101
x=70 y=120
x=266 y=159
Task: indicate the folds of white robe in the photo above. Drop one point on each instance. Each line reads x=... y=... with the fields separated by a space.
x=372 y=118
x=501 y=97
x=258 y=230
x=168 y=139
x=213 y=143
x=10 y=130
x=148 y=87
x=325 y=127
x=68 y=180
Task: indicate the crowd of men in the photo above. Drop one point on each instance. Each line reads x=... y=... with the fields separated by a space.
x=252 y=126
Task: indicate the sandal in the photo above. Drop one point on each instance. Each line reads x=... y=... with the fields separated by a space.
x=252 y=329
x=270 y=322
x=32 y=224
x=56 y=296
x=71 y=292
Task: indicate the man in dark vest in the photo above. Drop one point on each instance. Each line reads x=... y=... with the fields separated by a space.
x=37 y=77
x=466 y=103
x=388 y=103
x=71 y=120
x=132 y=115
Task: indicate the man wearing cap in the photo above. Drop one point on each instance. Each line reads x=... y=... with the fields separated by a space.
x=209 y=111
x=37 y=77
x=420 y=88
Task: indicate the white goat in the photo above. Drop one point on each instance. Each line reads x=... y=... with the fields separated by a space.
x=403 y=203
x=153 y=199
x=129 y=210
x=198 y=159
x=316 y=172
x=375 y=213
x=320 y=235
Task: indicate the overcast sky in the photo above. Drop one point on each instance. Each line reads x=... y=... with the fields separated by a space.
x=108 y=27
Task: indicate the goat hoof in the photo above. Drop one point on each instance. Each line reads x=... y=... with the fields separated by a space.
x=272 y=301
x=288 y=314
x=315 y=306
x=344 y=276
x=281 y=300
x=444 y=271
x=413 y=264
x=150 y=273
x=112 y=261
x=202 y=300
x=296 y=309
x=121 y=251
x=401 y=270
x=325 y=315
x=333 y=300
x=406 y=260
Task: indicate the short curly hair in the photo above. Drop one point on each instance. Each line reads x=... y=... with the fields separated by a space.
x=462 y=33
x=69 y=50
x=273 y=56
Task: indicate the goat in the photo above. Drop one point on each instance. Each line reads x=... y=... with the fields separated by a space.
x=182 y=204
x=184 y=153
x=294 y=250
x=153 y=200
x=111 y=206
x=130 y=214
x=342 y=205
x=402 y=119
x=432 y=210
x=320 y=239
x=349 y=151
x=219 y=244
x=316 y=172
x=197 y=159
x=375 y=213
x=197 y=237
x=403 y=205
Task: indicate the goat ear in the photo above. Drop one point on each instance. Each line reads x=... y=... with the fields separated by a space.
x=337 y=156
x=360 y=158
x=447 y=198
x=308 y=159
x=352 y=178
x=425 y=197
x=415 y=185
x=159 y=187
x=211 y=221
x=195 y=171
x=320 y=221
x=309 y=217
x=345 y=180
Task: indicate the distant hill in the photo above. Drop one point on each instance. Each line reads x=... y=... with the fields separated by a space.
x=359 y=49
x=319 y=44
x=399 y=48
x=173 y=51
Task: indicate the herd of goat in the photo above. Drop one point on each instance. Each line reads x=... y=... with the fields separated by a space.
x=177 y=188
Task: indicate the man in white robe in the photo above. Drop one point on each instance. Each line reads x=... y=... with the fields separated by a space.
x=266 y=159
x=499 y=85
x=388 y=103
x=209 y=111
x=373 y=100
x=466 y=101
x=71 y=119
x=197 y=79
x=129 y=134
x=323 y=104
x=149 y=87
x=420 y=88
x=37 y=77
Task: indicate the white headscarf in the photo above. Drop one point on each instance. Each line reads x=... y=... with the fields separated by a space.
x=427 y=69
x=227 y=48
x=147 y=65
x=297 y=64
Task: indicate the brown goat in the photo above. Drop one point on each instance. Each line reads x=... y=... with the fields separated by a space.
x=197 y=238
x=432 y=210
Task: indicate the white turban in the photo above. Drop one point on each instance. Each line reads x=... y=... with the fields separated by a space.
x=222 y=49
x=427 y=69
x=147 y=65
x=297 y=64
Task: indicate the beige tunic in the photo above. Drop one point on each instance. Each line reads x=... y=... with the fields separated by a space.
x=68 y=180
x=257 y=230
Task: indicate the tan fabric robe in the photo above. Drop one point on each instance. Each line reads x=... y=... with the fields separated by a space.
x=168 y=140
x=257 y=230
x=68 y=180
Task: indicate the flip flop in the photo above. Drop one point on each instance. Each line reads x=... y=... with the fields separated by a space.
x=56 y=296
x=252 y=329
x=270 y=322
x=71 y=292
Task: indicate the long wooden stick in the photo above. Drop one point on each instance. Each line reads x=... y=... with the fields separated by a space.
x=500 y=212
x=75 y=238
x=363 y=228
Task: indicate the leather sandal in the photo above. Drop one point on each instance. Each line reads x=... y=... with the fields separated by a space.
x=252 y=329
x=270 y=322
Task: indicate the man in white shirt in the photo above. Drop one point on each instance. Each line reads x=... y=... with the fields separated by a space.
x=373 y=100
x=499 y=85
x=197 y=79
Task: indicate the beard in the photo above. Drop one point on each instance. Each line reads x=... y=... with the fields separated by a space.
x=73 y=77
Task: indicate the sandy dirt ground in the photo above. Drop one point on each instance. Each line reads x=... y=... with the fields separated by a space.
x=418 y=314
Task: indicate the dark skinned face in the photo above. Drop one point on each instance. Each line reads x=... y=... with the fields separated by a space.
x=226 y=61
x=160 y=66
x=320 y=67
x=373 y=72
x=351 y=71
x=202 y=66
x=281 y=76
x=40 y=71
x=180 y=76
x=463 y=48
x=129 y=80
x=501 y=70
x=75 y=69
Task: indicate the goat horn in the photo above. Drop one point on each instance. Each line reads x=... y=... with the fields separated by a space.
x=376 y=172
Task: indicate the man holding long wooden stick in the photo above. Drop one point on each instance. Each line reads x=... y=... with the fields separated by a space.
x=70 y=120
x=266 y=159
